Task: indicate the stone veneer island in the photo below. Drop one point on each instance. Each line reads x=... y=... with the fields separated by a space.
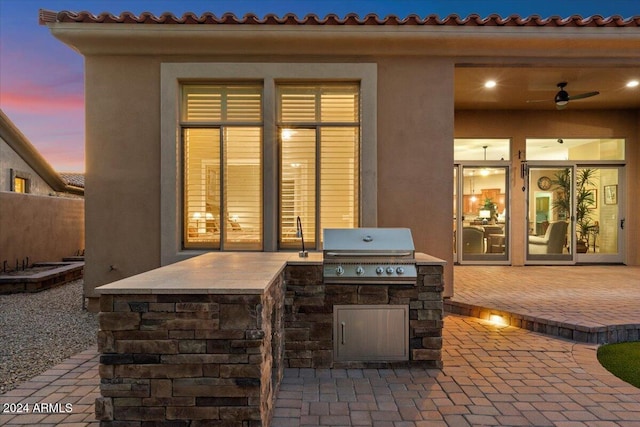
x=204 y=342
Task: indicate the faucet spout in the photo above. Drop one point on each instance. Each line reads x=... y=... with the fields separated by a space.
x=303 y=253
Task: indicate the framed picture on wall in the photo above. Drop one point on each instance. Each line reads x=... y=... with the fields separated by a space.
x=594 y=194
x=610 y=194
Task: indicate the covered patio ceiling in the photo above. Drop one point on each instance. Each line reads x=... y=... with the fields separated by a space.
x=517 y=85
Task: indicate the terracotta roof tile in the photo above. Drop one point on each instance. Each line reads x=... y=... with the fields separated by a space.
x=47 y=16
x=72 y=178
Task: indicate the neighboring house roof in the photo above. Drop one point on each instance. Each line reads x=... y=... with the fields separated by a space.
x=47 y=16
x=72 y=178
x=21 y=145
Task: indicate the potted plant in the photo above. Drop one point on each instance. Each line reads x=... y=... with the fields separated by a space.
x=491 y=207
x=585 y=201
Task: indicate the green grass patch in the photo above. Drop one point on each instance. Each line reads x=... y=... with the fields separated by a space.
x=622 y=360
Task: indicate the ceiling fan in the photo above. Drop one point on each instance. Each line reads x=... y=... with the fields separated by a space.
x=562 y=98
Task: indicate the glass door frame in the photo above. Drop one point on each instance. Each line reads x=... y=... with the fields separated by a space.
x=549 y=259
x=459 y=218
x=575 y=257
x=619 y=256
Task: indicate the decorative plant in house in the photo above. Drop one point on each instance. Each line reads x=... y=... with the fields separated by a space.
x=585 y=201
x=491 y=207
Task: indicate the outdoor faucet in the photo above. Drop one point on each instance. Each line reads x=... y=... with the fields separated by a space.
x=300 y=235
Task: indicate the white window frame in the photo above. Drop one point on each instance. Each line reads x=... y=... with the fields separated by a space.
x=172 y=77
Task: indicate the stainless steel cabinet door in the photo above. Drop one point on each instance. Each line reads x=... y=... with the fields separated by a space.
x=371 y=332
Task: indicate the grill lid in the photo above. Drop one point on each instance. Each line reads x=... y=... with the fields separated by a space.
x=369 y=256
x=368 y=241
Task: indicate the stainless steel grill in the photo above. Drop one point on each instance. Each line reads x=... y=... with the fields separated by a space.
x=369 y=256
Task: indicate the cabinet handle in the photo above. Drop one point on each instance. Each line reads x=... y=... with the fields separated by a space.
x=342 y=325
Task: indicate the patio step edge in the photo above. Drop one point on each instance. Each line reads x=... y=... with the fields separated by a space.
x=606 y=334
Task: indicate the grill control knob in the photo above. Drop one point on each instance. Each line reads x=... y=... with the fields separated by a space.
x=379 y=270
x=390 y=270
x=359 y=270
x=400 y=270
x=339 y=270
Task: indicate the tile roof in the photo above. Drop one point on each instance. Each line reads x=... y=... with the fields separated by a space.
x=47 y=16
x=72 y=178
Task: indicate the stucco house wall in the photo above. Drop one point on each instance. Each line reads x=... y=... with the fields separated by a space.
x=415 y=117
x=122 y=168
x=122 y=174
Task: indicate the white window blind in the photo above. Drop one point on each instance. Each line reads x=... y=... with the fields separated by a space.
x=298 y=185
x=321 y=104
x=339 y=177
x=222 y=167
x=319 y=133
x=339 y=105
x=202 y=187
x=243 y=187
x=217 y=103
x=298 y=105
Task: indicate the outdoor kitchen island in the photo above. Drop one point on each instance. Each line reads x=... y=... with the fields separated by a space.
x=205 y=341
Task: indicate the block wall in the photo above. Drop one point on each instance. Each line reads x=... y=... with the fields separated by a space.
x=41 y=228
x=189 y=360
x=217 y=360
x=309 y=316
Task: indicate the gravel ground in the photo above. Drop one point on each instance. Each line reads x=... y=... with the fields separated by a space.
x=40 y=330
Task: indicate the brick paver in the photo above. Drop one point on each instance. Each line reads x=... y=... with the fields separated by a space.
x=586 y=295
x=493 y=375
x=61 y=396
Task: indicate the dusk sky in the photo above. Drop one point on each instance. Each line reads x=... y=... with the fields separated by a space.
x=41 y=79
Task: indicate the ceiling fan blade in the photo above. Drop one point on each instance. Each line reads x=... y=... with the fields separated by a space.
x=539 y=100
x=583 y=95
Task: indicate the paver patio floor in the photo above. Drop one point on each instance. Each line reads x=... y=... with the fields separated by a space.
x=493 y=375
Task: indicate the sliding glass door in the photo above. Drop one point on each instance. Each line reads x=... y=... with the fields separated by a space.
x=549 y=214
x=575 y=201
x=575 y=214
x=600 y=231
x=481 y=220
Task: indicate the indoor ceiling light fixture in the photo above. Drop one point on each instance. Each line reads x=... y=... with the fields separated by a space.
x=485 y=171
x=633 y=83
x=287 y=134
x=490 y=84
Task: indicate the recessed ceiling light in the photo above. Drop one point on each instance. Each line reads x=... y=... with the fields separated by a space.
x=490 y=84
x=633 y=83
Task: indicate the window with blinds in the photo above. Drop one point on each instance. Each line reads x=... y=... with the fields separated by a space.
x=319 y=130
x=222 y=144
x=219 y=103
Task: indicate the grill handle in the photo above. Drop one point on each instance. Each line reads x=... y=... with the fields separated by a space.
x=368 y=254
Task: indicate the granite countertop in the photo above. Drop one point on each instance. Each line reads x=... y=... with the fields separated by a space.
x=221 y=272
